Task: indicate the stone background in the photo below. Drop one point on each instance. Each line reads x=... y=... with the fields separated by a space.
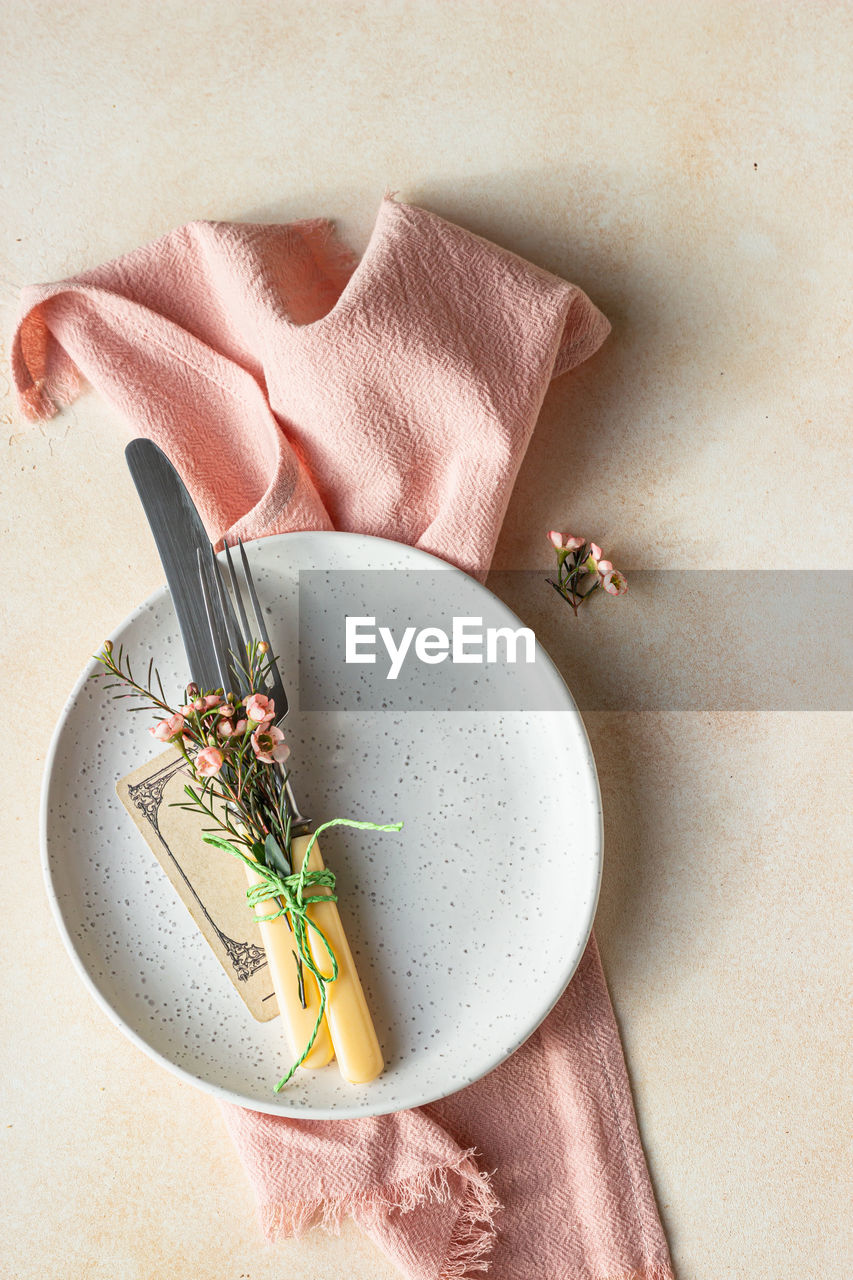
x=688 y=164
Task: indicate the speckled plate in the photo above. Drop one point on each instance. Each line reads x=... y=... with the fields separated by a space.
x=466 y=927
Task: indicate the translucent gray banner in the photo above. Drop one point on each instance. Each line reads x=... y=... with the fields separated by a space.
x=679 y=640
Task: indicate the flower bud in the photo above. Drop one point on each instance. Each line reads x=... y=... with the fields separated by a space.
x=263 y=647
x=108 y=646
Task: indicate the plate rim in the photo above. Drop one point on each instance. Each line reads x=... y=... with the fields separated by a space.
x=280 y=1107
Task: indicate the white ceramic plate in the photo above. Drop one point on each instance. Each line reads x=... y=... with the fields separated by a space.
x=466 y=927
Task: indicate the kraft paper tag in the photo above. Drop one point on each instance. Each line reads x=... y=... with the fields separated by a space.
x=210 y=882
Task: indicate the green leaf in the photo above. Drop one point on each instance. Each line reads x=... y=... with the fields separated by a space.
x=274 y=858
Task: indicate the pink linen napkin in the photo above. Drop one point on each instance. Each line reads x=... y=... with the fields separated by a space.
x=297 y=389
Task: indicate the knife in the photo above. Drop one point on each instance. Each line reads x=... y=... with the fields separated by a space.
x=184 y=548
x=179 y=535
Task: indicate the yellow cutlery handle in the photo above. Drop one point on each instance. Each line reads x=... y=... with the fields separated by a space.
x=353 y=1034
x=299 y=1023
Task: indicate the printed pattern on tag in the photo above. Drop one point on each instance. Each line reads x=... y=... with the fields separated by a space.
x=210 y=882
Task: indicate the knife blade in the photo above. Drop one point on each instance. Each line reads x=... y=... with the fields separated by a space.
x=179 y=535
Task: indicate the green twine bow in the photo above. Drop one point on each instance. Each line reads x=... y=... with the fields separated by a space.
x=295 y=903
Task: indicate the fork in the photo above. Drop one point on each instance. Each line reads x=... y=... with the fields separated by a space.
x=224 y=625
x=350 y=1026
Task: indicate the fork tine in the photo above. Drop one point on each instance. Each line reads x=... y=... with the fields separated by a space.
x=238 y=595
x=221 y=664
x=253 y=595
x=236 y=642
x=279 y=695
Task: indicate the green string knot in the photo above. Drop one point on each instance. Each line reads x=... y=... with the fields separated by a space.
x=290 y=890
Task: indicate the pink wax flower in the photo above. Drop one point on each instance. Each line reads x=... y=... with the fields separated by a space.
x=227 y=728
x=614 y=582
x=208 y=762
x=260 y=708
x=565 y=541
x=211 y=700
x=168 y=729
x=269 y=745
x=191 y=708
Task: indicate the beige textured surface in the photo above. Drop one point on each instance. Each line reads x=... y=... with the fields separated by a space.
x=689 y=165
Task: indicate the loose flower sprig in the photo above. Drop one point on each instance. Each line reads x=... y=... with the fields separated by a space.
x=582 y=569
x=235 y=755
